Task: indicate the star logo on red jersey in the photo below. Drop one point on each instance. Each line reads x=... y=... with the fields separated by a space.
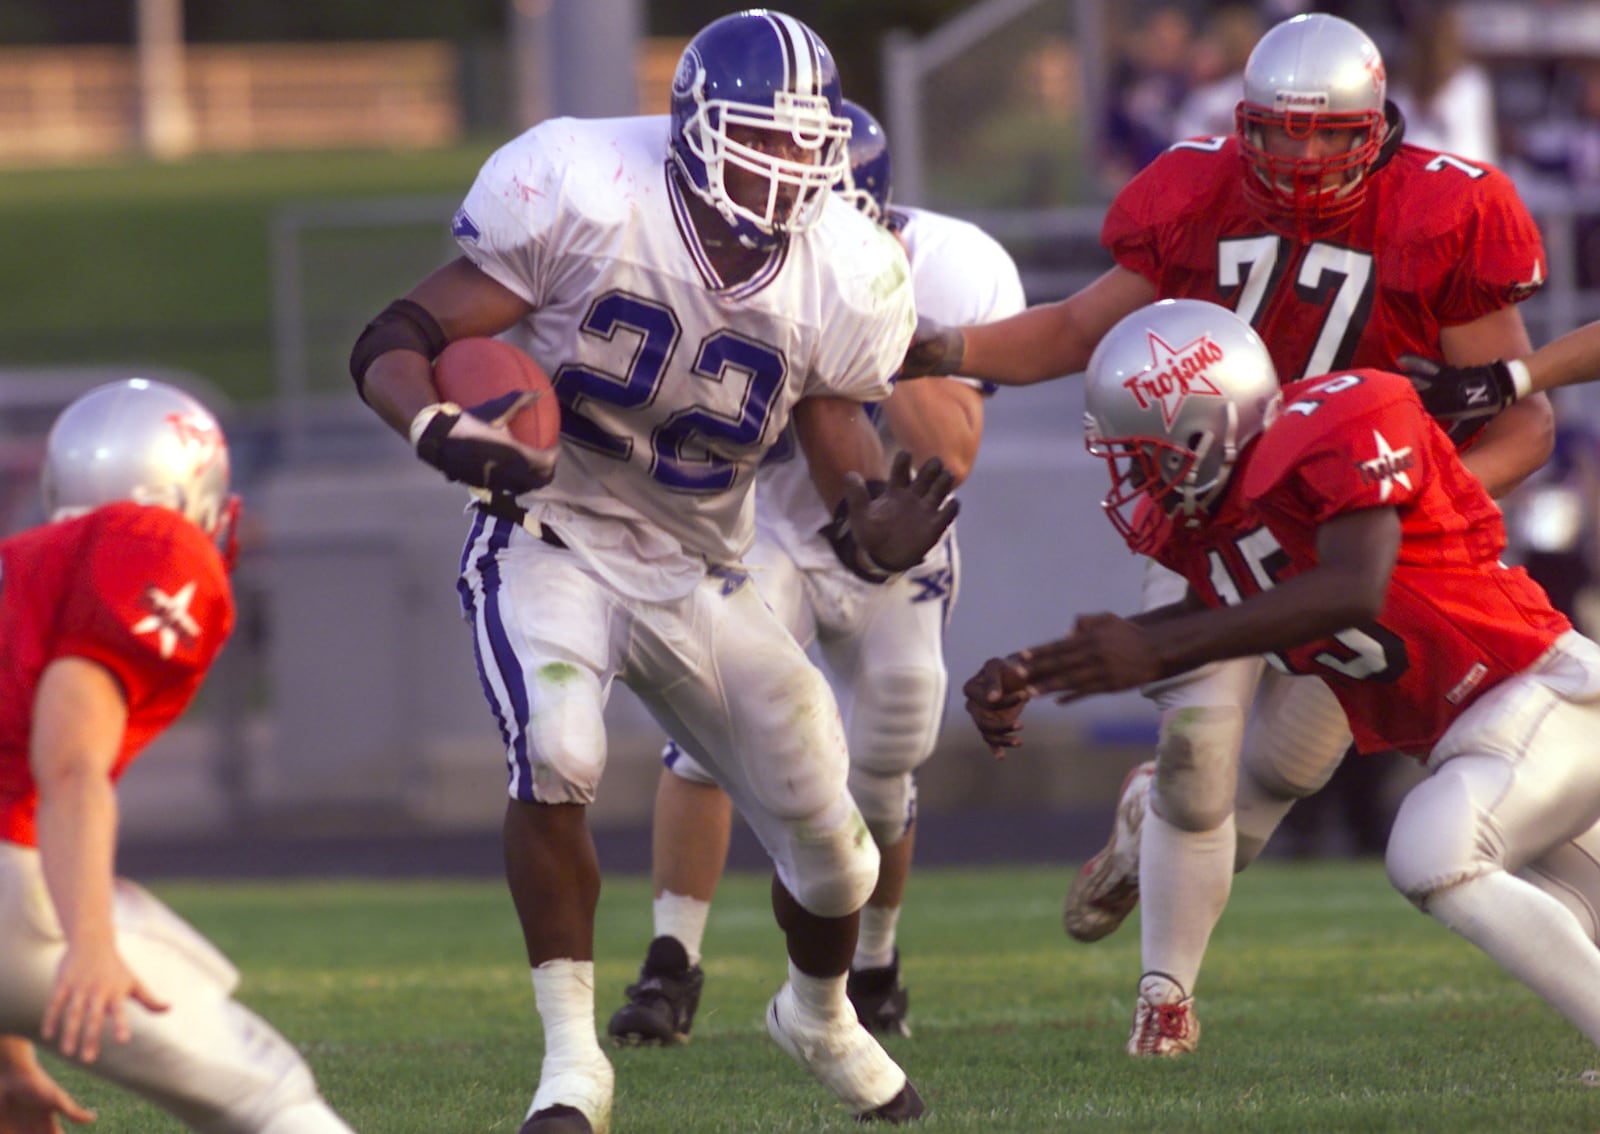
x=169 y=618
x=1175 y=373
x=1388 y=468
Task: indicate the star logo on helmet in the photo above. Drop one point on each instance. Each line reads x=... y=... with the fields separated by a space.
x=199 y=437
x=1175 y=374
x=1390 y=467
x=169 y=618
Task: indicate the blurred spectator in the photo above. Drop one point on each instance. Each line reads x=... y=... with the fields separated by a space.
x=1551 y=523
x=1148 y=83
x=1218 y=72
x=1447 y=98
x=1564 y=147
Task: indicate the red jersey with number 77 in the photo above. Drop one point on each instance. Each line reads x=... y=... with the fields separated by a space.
x=1437 y=242
x=139 y=590
x=1456 y=620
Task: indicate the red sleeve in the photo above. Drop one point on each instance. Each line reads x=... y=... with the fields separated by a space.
x=150 y=603
x=1344 y=442
x=1503 y=260
x=1149 y=220
x=1460 y=235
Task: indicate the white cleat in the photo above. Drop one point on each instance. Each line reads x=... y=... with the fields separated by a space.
x=844 y=1057
x=1164 y=1022
x=1107 y=888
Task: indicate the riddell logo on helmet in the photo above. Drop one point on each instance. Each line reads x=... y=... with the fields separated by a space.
x=1300 y=101
x=199 y=438
x=1175 y=374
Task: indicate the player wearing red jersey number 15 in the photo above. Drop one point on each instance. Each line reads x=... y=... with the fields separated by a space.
x=110 y=616
x=1333 y=528
x=1342 y=247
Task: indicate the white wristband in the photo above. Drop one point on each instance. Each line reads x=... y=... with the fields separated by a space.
x=1521 y=380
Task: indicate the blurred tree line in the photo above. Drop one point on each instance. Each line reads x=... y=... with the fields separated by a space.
x=853 y=29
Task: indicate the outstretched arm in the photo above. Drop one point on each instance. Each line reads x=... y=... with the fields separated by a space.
x=1105 y=653
x=1521 y=439
x=1046 y=341
x=79 y=718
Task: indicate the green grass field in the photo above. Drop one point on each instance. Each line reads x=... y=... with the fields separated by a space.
x=1328 y=1004
x=167 y=265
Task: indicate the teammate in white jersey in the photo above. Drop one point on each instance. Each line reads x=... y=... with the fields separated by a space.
x=883 y=645
x=691 y=297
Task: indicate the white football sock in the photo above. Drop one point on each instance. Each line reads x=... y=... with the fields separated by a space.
x=875 y=942
x=683 y=917
x=1533 y=937
x=1184 y=881
x=820 y=997
x=575 y=1071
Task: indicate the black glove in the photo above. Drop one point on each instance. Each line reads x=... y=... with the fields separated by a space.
x=885 y=528
x=1463 y=398
x=474 y=446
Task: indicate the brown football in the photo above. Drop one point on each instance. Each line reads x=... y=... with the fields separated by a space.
x=472 y=371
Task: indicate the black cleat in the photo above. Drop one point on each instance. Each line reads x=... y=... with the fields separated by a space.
x=905 y=1107
x=561 y=1119
x=661 y=1005
x=880 y=1000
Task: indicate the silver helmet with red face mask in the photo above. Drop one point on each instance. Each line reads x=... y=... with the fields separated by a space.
x=1312 y=121
x=143 y=441
x=1173 y=394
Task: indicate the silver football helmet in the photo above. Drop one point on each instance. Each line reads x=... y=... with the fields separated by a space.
x=1174 y=392
x=1311 y=123
x=143 y=441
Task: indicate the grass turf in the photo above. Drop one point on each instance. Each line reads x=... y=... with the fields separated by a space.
x=1328 y=1004
x=146 y=264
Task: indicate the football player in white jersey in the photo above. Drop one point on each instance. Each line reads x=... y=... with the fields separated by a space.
x=883 y=645
x=691 y=298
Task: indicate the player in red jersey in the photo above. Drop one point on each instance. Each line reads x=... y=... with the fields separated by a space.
x=1343 y=248
x=110 y=616
x=1333 y=528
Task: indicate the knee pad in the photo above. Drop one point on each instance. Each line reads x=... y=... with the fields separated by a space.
x=1196 y=765
x=888 y=803
x=894 y=718
x=685 y=766
x=832 y=862
x=1296 y=737
x=1441 y=837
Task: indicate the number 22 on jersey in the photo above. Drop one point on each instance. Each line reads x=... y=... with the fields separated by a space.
x=683 y=456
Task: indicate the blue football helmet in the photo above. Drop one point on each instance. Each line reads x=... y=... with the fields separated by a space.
x=760 y=70
x=866 y=184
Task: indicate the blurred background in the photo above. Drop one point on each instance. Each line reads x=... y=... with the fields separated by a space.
x=221 y=194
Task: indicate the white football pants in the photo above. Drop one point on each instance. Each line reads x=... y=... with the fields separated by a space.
x=716 y=669
x=1290 y=731
x=208 y=1060
x=883 y=646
